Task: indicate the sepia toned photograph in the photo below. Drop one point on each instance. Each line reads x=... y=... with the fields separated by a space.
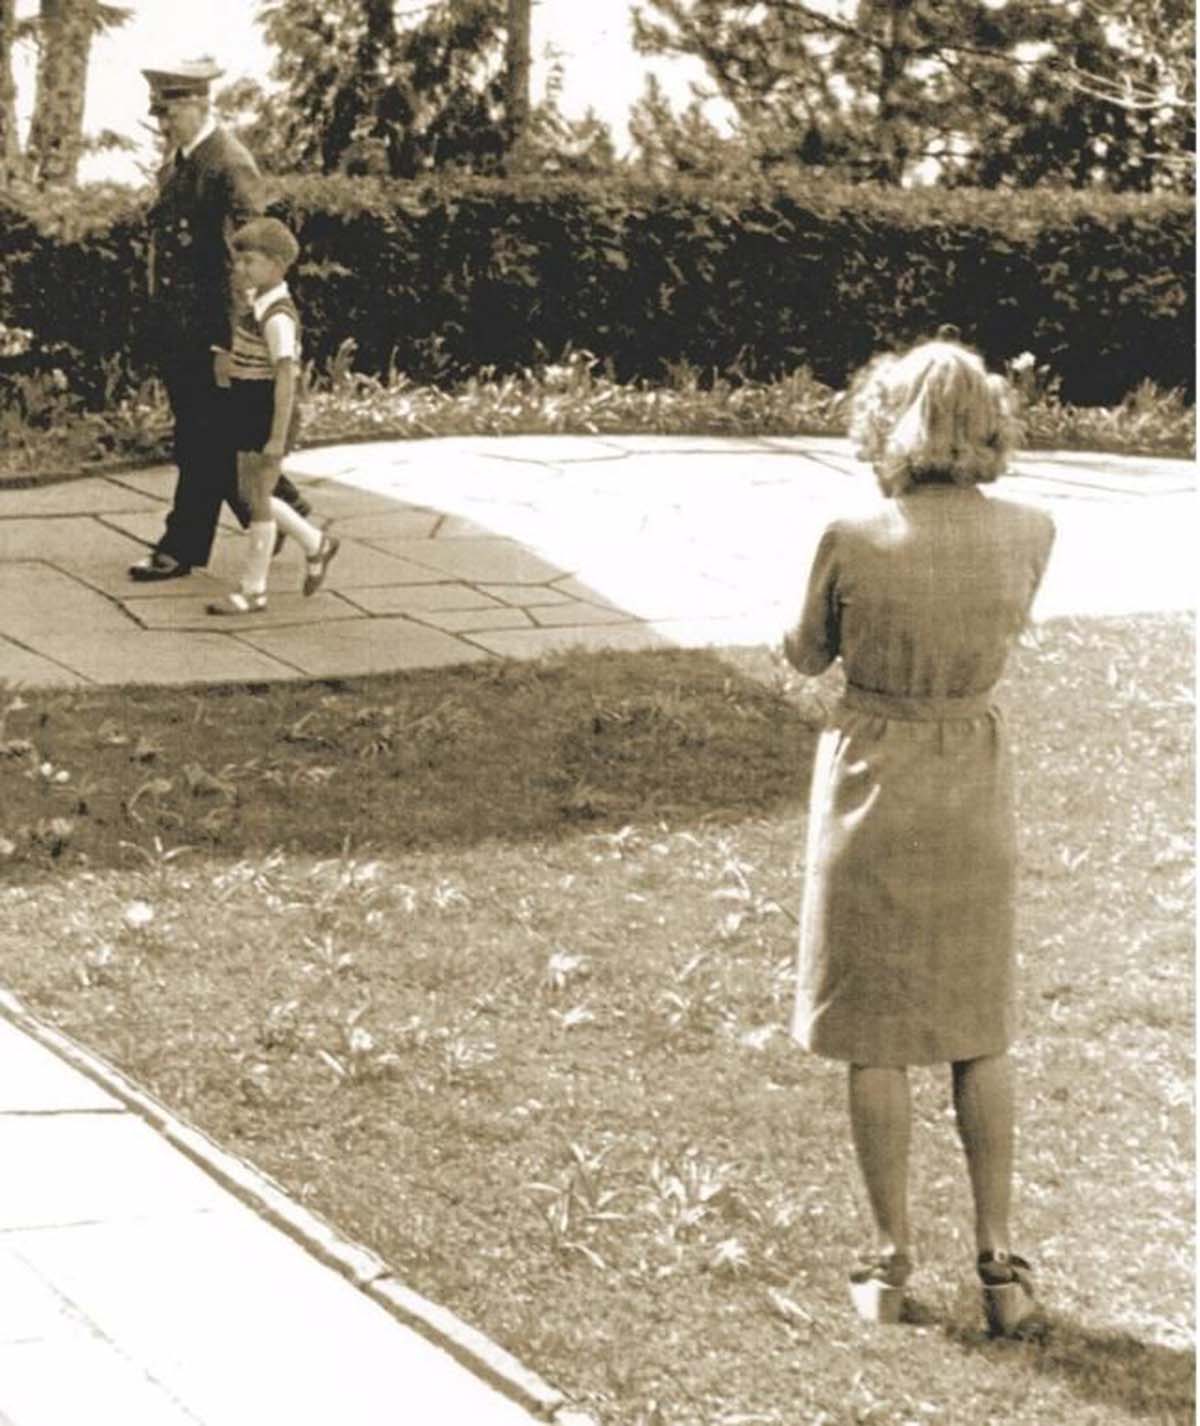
x=597 y=712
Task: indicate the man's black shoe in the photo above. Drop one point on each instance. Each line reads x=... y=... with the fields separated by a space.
x=157 y=565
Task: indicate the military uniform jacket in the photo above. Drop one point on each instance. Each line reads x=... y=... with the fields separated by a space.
x=201 y=200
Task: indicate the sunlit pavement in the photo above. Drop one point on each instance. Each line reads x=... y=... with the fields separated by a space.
x=472 y=548
x=135 y=1288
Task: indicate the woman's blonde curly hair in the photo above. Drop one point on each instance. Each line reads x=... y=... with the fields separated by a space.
x=932 y=413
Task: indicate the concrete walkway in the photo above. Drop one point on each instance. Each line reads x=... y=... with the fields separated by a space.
x=145 y=1276
x=148 y=1279
x=464 y=549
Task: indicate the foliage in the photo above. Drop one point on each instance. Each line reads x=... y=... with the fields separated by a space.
x=442 y=279
x=63 y=31
x=401 y=97
x=492 y=967
x=894 y=90
x=357 y=78
x=45 y=432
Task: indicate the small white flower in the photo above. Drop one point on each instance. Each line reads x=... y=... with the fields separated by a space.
x=138 y=915
x=360 y=1041
x=1025 y=362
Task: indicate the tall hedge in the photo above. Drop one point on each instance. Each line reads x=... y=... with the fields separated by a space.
x=441 y=279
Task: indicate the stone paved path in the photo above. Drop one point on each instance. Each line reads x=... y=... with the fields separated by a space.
x=137 y=1290
x=464 y=549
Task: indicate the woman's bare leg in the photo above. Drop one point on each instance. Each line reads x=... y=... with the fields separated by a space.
x=880 y=1123
x=983 y=1104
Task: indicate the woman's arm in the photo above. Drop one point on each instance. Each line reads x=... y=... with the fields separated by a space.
x=813 y=643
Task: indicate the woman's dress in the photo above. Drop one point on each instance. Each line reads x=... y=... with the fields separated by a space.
x=906 y=939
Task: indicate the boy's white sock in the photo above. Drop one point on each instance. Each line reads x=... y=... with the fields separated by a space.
x=307 y=536
x=258 y=561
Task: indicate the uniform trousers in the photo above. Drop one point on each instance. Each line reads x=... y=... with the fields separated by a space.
x=206 y=455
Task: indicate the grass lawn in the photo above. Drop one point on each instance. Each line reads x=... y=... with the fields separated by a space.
x=492 y=966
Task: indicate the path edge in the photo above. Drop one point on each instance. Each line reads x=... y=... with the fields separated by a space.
x=360 y=1266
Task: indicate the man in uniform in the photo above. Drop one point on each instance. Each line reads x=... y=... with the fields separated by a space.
x=208 y=186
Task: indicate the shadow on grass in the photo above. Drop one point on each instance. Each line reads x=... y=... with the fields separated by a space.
x=1111 y=1368
x=531 y=751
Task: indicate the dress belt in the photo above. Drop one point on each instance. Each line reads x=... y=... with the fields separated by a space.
x=915 y=710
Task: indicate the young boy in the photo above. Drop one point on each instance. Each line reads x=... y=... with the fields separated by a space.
x=263 y=371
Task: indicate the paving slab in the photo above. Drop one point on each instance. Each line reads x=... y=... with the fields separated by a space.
x=37 y=1083
x=548 y=449
x=146 y=526
x=527 y=596
x=490 y=561
x=388 y=523
x=153 y=480
x=457 y=527
x=74 y=1375
x=575 y=611
x=284 y=608
x=23 y=666
x=700 y=445
x=333 y=501
x=65 y=541
x=421 y=599
x=364 y=646
x=537 y=643
x=36 y=598
x=472 y=621
x=135 y=1287
x=1126 y=475
x=679 y=531
x=114 y=581
x=360 y=565
x=90 y=1168
x=229 y=1349
x=92 y=495
x=161 y=656
x=30 y=1309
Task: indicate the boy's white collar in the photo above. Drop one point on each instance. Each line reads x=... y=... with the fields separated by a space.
x=272 y=294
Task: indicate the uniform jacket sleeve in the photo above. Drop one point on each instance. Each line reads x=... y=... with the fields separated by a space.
x=199 y=205
x=814 y=642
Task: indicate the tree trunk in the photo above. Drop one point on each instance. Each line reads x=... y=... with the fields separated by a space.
x=516 y=77
x=893 y=61
x=10 y=145
x=65 y=30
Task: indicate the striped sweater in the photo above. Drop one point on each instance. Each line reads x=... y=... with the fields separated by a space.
x=253 y=356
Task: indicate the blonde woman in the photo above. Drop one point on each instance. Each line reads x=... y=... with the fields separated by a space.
x=906 y=940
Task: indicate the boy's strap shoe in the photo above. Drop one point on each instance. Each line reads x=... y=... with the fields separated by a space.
x=158 y=565
x=238 y=602
x=318 y=564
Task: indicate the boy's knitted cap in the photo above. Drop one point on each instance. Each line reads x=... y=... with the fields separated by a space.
x=269 y=236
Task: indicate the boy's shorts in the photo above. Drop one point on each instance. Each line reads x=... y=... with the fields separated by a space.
x=251 y=409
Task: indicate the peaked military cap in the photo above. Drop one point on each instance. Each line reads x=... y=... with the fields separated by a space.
x=187 y=80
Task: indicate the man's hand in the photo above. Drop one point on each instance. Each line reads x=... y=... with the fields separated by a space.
x=222 y=364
